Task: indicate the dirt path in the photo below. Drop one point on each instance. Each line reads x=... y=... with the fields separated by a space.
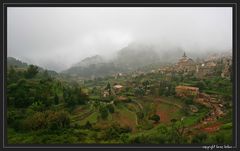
x=214 y=126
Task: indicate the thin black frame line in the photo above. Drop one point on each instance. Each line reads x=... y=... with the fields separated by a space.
x=3 y=79
x=119 y=3
x=122 y=146
x=157 y=147
x=234 y=35
x=165 y=147
x=104 y=147
x=236 y=107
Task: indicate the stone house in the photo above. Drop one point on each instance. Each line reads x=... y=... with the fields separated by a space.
x=185 y=64
x=183 y=91
x=117 y=88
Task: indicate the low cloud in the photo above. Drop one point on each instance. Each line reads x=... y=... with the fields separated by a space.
x=56 y=38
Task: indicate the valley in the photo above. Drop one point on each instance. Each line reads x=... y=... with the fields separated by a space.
x=182 y=103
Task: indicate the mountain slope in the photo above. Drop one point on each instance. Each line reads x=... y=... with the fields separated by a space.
x=129 y=58
x=11 y=61
x=16 y=63
x=90 y=61
x=136 y=56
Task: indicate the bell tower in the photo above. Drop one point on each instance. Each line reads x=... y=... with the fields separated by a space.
x=184 y=55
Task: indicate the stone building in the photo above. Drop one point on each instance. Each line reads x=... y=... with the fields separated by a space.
x=117 y=88
x=105 y=94
x=226 y=73
x=183 y=91
x=185 y=64
x=206 y=68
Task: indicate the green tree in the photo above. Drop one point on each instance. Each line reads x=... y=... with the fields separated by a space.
x=155 y=118
x=139 y=92
x=110 y=108
x=12 y=75
x=201 y=84
x=56 y=99
x=103 y=112
x=35 y=122
x=57 y=120
x=199 y=138
x=31 y=71
x=68 y=97
x=140 y=115
x=37 y=106
x=188 y=100
x=111 y=133
x=124 y=138
x=88 y=125
x=108 y=88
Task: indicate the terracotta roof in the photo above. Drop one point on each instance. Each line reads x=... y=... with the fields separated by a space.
x=186 y=87
x=117 y=86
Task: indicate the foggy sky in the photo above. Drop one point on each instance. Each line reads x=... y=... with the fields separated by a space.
x=56 y=38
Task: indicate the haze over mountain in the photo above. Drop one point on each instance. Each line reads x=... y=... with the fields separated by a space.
x=130 y=58
x=97 y=59
x=57 y=38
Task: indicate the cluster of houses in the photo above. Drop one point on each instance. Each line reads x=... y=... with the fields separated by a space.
x=186 y=65
x=200 y=69
x=116 y=90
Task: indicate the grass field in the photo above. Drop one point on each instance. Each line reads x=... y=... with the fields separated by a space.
x=124 y=116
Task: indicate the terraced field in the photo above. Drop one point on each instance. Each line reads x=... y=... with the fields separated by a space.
x=125 y=114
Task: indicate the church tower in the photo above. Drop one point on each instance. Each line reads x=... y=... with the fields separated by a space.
x=184 y=55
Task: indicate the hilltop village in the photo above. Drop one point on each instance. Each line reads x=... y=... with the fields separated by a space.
x=202 y=69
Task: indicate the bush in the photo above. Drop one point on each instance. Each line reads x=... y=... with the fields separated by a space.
x=110 y=108
x=226 y=126
x=31 y=71
x=124 y=138
x=188 y=100
x=140 y=115
x=35 y=122
x=155 y=118
x=111 y=133
x=49 y=119
x=58 y=120
x=103 y=112
x=88 y=125
x=199 y=138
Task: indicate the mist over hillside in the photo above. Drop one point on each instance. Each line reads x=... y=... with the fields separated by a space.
x=130 y=58
x=58 y=38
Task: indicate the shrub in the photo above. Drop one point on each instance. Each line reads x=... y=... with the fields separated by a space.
x=199 y=138
x=88 y=125
x=58 y=120
x=226 y=126
x=49 y=119
x=140 y=115
x=155 y=118
x=103 y=112
x=110 y=108
x=35 y=122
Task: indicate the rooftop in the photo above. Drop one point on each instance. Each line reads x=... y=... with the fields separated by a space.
x=118 y=86
x=187 y=87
